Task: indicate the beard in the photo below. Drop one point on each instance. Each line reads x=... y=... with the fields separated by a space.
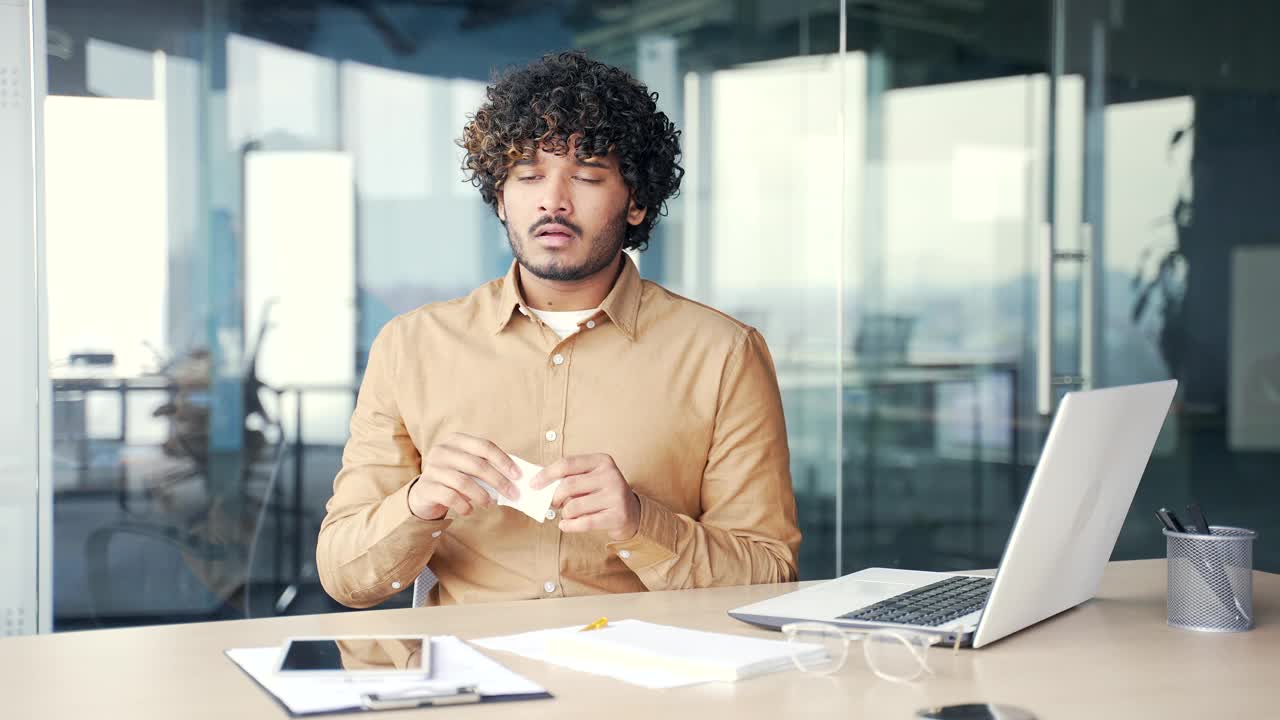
x=603 y=248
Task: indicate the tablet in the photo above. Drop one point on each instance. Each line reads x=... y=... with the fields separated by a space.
x=357 y=656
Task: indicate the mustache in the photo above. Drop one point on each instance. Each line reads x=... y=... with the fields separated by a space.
x=558 y=220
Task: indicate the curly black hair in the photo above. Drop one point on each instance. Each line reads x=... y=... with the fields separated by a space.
x=544 y=104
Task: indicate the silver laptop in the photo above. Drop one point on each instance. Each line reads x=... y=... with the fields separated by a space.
x=1079 y=496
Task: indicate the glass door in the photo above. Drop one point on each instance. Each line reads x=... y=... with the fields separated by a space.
x=1046 y=197
x=1167 y=264
x=950 y=151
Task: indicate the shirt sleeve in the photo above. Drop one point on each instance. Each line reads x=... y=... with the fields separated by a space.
x=747 y=532
x=371 y=546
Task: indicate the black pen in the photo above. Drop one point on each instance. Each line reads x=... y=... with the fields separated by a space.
x=1213 y=575
x=1170 y=520
x=1197 y=517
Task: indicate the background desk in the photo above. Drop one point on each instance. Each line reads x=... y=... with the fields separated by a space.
x=1113 y=657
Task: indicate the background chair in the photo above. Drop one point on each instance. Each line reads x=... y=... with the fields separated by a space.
x=422 y=587
x=197 y=559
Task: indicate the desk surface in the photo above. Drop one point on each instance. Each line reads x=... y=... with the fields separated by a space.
x=1111 y=657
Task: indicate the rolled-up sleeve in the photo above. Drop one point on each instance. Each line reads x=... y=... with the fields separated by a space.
x=371 y=546
x=747 y=532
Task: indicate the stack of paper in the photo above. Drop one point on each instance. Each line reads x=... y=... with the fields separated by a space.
x=656 y=656
x=453 y=664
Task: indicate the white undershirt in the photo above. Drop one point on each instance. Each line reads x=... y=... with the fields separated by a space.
x=564 y=322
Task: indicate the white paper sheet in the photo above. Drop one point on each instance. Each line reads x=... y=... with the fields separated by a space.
x=533 y=503
x=454 y=664
x=533 y=645
x=541 y=645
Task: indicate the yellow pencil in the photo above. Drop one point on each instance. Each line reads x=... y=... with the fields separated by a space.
x=602 y=622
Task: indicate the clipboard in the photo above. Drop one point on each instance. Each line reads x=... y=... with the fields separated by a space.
x=461 y=675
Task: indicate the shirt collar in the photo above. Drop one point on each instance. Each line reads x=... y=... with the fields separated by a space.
x=622 y=304
x=509 y=299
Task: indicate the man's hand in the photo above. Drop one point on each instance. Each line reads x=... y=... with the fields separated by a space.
x=448 y=477
x=592 y=495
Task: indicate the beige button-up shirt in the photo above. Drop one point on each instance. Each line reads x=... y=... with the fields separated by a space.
x=684 y=398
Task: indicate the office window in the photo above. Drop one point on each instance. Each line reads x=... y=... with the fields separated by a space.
x=241 y=195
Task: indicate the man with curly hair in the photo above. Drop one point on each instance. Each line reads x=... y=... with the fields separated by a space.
x=659 y=418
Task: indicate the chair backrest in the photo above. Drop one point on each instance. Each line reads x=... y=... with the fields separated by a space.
x=422 y=586
x=883 y=339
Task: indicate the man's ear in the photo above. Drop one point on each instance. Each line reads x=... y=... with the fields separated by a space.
x=502 y=208
x=635 y=213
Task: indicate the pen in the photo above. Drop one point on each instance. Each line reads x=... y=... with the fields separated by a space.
x=1170 y=520
x=1197 y=517
x=420 y=698
x=596 y=625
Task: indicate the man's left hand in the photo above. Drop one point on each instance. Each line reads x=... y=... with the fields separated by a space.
x=592 y=495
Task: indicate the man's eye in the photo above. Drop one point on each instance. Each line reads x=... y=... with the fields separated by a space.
x=588 y=180
x=528 y=177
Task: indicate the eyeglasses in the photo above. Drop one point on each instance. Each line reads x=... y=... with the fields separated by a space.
x=899 y=655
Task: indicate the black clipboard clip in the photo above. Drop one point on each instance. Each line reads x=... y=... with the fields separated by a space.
x=405 y=699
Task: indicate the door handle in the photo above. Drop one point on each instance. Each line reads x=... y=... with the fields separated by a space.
x=1044 y=321
x=1049 y=256
x=1088 y=288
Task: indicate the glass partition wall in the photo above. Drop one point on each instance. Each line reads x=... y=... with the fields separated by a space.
x=240 y=195
x=25 y=501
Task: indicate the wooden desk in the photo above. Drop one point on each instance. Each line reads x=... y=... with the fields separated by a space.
x=1113 y=657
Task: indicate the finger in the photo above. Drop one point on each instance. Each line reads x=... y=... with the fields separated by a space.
x=474 y=466
x=586 y=523
x=565 y=467
x=574 y=486
x=489 y=451
x=463 y=484
x=449 y=498
x=584 y=505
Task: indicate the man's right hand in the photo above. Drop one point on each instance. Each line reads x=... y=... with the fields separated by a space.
x=448 y=477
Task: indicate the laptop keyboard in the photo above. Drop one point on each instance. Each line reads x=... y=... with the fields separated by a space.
x=931 y=605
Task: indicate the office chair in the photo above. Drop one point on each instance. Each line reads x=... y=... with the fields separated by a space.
x=187 y=411
x=422 y=586
x=187 y=564
x=882 y=339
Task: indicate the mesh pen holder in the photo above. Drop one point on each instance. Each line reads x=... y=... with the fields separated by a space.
x=1211 y=579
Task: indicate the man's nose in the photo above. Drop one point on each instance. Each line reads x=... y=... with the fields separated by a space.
x=555 y=198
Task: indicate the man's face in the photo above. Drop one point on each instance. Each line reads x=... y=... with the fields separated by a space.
x=566 y=218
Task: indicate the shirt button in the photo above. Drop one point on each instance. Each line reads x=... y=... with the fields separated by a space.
x=551 y=436
x=624 y=554
x=591 y=324
x=558 y=359
x=436 y=534
x=549 y=586
x=551 y=514
x=395 y=584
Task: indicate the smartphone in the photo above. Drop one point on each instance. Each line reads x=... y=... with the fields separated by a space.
x=975 y=711
x=357 y=656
